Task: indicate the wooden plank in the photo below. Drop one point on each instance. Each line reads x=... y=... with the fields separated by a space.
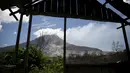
x=67 y=7
x=82 y=8
x=121 y=6
x=104 y=13
x=85 y=10
x=70 y=7
x=45 y=6
x=60 y=6
x=54 y=6
x=109 y=14
x=48 y=6
x=77 y=7
x=98 y=13
x=57 y=5
x=64 y=6
x=41 y=5
x=88 y=9
x=73 y=8
x=64 y=49
x=116 y=17
x=18 y=37
x=27 y=45
x=13 y=14
x=126 y=40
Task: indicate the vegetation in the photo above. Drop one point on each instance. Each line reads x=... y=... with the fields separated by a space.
x=38 y=62
x=117 y=47
x=118 y=54
x=94 y=59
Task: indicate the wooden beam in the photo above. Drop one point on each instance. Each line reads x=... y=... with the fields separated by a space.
x=51 y=6
x=25 y=6
x=122 y=20
x=13 y=14
x=63 y=5
x=122 y=26
x=64 y=50
x=77 y=7
x=107 y=1
x=57 y=4
x=126 y=19
x=18 y=37
x=126 y=40
x=70 y=7
x=28 y=43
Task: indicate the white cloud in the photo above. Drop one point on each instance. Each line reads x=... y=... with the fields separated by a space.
x=92 y=35
x=45 y=24
x=14 y=32
x=49 y=31
x=39 y=26
x=51 y=25
x=0 y=27
x=127 y=1
x=3 y=45
x=4 y=16
x=95 y=35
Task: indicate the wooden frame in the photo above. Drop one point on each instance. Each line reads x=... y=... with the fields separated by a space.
x=31 y=12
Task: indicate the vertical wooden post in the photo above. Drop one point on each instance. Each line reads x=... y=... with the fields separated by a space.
x=51 y=6
x=18 y=37
x=57 y=5
x=70 y=7
x=64 y=50
x=44 y=6
x=64 y=6
x=85 y=11
x=28 y=43
x=126 y=40
x=77 y=9
x=102 y=15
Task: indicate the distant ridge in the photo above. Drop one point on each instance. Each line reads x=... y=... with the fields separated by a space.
x=53 y=45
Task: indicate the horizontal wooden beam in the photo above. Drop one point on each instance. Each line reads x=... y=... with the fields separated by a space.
x=123 y=26
x=83 y=9
x=13 y=14
x=126 y=41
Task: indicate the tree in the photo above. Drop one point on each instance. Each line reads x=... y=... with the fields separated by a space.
x=37 y=58
x=117 y=47
x=56 y=66
x=38 y=62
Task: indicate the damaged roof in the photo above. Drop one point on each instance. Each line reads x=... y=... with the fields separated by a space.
x=83 y=9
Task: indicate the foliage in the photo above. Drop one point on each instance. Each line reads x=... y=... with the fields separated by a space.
x=37 y=58
x=37 y=61
x=111 y=57
x=55 y=66
x=8 y=58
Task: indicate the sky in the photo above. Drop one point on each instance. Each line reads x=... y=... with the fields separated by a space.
x=79 y=32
